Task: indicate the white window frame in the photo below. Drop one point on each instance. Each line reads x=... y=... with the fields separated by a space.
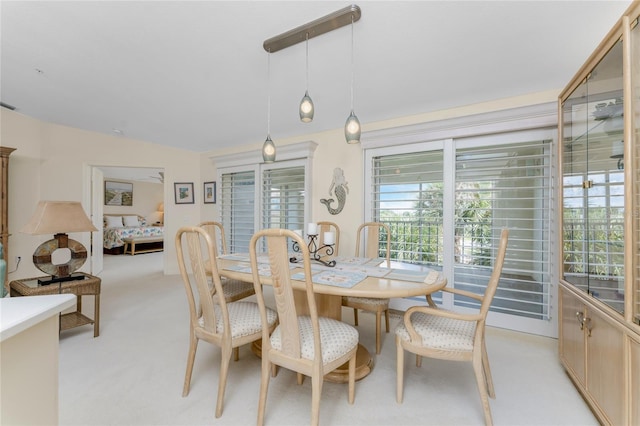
x=540 y=120
x=292 y=155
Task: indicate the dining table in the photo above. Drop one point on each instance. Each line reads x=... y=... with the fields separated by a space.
x=351 y=276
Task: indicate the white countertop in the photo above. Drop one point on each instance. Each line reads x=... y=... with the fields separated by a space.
x=19 y=313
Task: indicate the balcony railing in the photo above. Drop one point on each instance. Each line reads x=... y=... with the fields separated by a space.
x=594 y=248
x=416 y=241
x=420 y=241
x=520 y=292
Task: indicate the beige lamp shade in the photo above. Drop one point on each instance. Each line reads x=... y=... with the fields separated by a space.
x=161 y=207
x=56 y=217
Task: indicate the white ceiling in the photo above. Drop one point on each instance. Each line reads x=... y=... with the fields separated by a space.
x=194 y=74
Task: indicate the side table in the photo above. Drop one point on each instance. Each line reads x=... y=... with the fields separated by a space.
x=88 y=286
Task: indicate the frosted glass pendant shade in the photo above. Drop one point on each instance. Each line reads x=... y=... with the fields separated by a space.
x=268 y=150
x=306 y=108
x=352 y=129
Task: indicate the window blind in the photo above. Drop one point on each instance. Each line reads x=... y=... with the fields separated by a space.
x=237 y=206
x=496 y=187
x=505 y=185
x=283 y=198
x=408 y=197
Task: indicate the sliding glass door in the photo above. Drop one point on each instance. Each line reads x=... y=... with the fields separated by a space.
x=447 y=201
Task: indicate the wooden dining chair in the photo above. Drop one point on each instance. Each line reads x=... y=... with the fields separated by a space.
x=439 y=333
x=228 y=325
x=371 y=244
x=325 y=226
x=303 y=342
x=233 y=290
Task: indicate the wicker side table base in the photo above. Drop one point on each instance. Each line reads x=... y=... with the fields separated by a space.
x=89 y=286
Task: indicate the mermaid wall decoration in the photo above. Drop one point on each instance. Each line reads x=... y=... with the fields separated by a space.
x=339 y=188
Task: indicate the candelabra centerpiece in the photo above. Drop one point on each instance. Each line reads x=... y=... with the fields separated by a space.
x=316 y=250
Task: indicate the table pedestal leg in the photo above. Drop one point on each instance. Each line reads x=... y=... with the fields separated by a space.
x=364 y=364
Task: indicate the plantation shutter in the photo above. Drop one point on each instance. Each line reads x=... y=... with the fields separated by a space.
x=407 y=196
x=238 y=209
x=504 y=186
x=283 y=198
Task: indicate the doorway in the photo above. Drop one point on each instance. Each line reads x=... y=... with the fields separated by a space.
x=146 y=201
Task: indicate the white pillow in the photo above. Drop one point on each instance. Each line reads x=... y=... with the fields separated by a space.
x=114 y=221
x=131 y=221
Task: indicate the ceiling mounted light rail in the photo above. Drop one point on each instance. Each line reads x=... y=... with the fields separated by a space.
x=330 y=22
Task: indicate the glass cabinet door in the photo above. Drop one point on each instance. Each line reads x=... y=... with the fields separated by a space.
x=634 y=163
x=593 y=183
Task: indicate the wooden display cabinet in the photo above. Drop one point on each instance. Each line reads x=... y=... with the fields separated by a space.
x=635 y=381
x=5 y=152
x=599 y=153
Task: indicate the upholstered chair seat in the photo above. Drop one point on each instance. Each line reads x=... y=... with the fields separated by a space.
x=336 y=338
x=440 y=333
x=234 y=290
x=244 y=318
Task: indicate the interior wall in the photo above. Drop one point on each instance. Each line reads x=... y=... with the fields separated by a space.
x=52 y=162
x=333 y=152
x=146 y=198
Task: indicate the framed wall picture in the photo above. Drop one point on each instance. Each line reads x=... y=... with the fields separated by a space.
x=118 y=193
x=183 y=192
x=209 y=192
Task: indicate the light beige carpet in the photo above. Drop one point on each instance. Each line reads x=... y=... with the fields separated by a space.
x=133 y=373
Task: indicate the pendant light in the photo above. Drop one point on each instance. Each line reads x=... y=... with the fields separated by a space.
x=306 y=104
x=352 y=126
x=269 y=148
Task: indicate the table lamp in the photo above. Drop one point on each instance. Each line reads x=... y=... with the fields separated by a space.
x=161 y=211
x=58 y=218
